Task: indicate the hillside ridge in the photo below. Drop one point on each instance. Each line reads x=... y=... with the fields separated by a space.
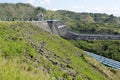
x=45 y=56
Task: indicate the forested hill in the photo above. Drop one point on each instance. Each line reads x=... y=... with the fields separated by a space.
x=14 y=11
x=19 y=11
x=22 y=10
x=91 y=23
x=90 y=17
x=79 y=22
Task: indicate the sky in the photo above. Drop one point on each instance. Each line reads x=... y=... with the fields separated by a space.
x=90 y=6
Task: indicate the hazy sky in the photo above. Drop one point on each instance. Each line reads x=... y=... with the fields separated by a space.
x=94 y=6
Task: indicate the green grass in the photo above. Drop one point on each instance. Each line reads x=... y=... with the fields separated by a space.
x=14 y=69
x=29 y=53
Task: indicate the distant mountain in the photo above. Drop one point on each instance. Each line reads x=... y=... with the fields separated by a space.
x=22 y=10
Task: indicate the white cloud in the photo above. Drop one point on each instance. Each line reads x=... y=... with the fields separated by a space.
x=42 y=2
x=30 y=1
x=38 y=2
x=47 y=1
x=115 y=11
x=78 y=7
x=75 y=7
x=54 y=9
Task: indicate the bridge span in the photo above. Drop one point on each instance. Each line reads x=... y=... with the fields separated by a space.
x=95 y=36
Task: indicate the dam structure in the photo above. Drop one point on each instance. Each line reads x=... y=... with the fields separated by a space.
x=59 y=28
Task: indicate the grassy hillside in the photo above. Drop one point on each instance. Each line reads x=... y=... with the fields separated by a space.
x=28 y=53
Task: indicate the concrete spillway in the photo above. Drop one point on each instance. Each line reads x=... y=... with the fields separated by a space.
x=60 y=29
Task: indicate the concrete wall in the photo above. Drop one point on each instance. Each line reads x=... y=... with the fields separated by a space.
x=53 y=27
x=43 y=25
x=97 y=37
x=48 y=26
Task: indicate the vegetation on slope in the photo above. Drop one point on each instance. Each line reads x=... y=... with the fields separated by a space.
x=17 y=69
x=108 y=48
x=19 y=11
x=28 y=53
